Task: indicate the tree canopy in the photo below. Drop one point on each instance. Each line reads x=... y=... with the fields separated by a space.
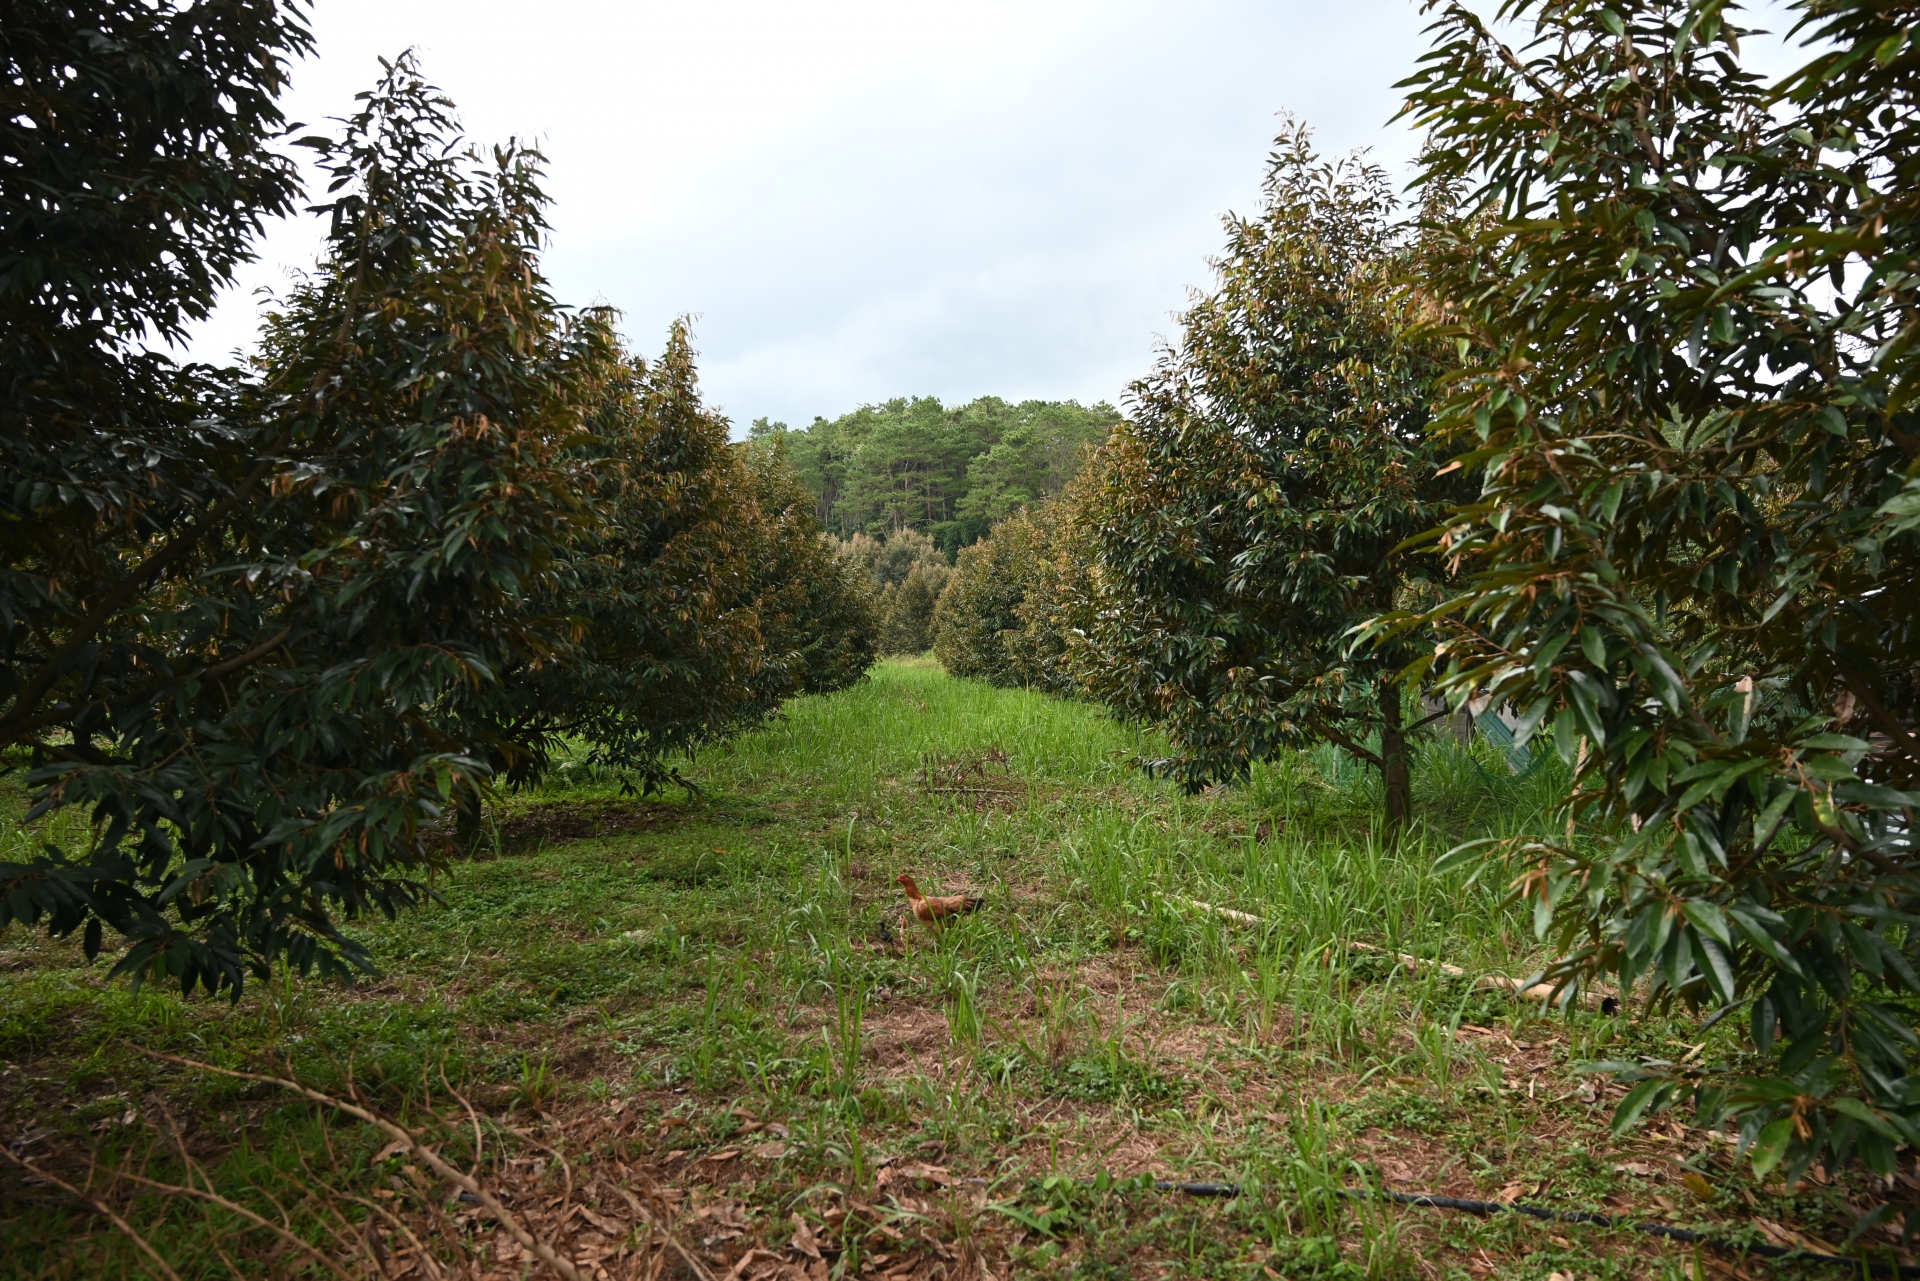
x=270 y=626
x=1686 y=299
x=1248 y=515
x=948 y=473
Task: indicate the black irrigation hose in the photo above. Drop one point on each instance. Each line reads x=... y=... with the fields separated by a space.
x=1688 y=1236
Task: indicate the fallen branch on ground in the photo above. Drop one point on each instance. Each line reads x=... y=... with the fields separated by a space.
x=99 y=1207
x=1604 y=1002
x=410 y=1143
x=1244 y=918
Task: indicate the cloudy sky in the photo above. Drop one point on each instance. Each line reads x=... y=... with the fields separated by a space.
x=865 y=200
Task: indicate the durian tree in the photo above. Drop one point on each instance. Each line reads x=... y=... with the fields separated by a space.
x=1686 y=299
x=1249 y=514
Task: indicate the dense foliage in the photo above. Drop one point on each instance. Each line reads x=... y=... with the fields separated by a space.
x=263 y=623
x=819 y=622
x=236 y=646
x=1690 y=303
x=996 y=622
x=947 y=473
x=703 y=595
x=1247 y=516
x=907 y=576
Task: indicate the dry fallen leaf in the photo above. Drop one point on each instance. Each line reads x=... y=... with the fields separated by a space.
x=1514 y=1191
x=803 y=1237
x=931 y=1173
x=769 y=1152
x=1640 y=1168
x=606 y=1223
x=750 y=1261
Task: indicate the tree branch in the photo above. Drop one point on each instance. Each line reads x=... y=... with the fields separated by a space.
x=1341 y=739
x=426 y=1155
x=118 y=597
x=99 y=1207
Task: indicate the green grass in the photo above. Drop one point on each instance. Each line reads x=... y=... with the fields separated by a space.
x=639 y=984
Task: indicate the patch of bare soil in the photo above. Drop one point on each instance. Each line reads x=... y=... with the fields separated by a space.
x=553 y=823
x=904 y=1035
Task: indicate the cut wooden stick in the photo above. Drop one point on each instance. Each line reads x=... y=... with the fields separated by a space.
x=1228 y=913
x=1414 y=964
x=1592 y=999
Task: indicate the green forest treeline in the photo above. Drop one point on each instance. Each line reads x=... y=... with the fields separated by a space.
x=951 y=474
x=904 y=485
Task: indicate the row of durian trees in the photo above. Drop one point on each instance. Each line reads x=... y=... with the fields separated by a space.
x=1615 y=428
x=279 y=631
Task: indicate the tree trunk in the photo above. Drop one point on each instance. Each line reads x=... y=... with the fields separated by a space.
x=468 y=819
x=1394 y=771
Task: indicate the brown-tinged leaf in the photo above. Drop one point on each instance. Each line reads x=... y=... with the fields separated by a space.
x=758 y=1263
x=803 y=1240
x=605 y=1222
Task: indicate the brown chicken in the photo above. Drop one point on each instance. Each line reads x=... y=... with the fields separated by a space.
x=934 y=910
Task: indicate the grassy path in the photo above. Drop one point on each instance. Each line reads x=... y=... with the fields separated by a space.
x=707 y=1014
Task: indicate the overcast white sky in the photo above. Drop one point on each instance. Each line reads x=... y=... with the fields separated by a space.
x=864 y=200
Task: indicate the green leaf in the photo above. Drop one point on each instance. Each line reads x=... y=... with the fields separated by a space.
x=1708 y=919
x=1763 y=939
x=1641 y=1097
x=1719 y=970
x=1610 y=500
x=1769 y=819
x=1835 y=743
x=1879 y=797
x=1771 y=1147
x=1469 y=854
x=1666 y=682
x=1586 y=697
x=1548 y=650
x=1594 y=646
x=1860 y=1112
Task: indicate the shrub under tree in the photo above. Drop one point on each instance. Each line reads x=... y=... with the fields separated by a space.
x=231 y=651
x=995 y=621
